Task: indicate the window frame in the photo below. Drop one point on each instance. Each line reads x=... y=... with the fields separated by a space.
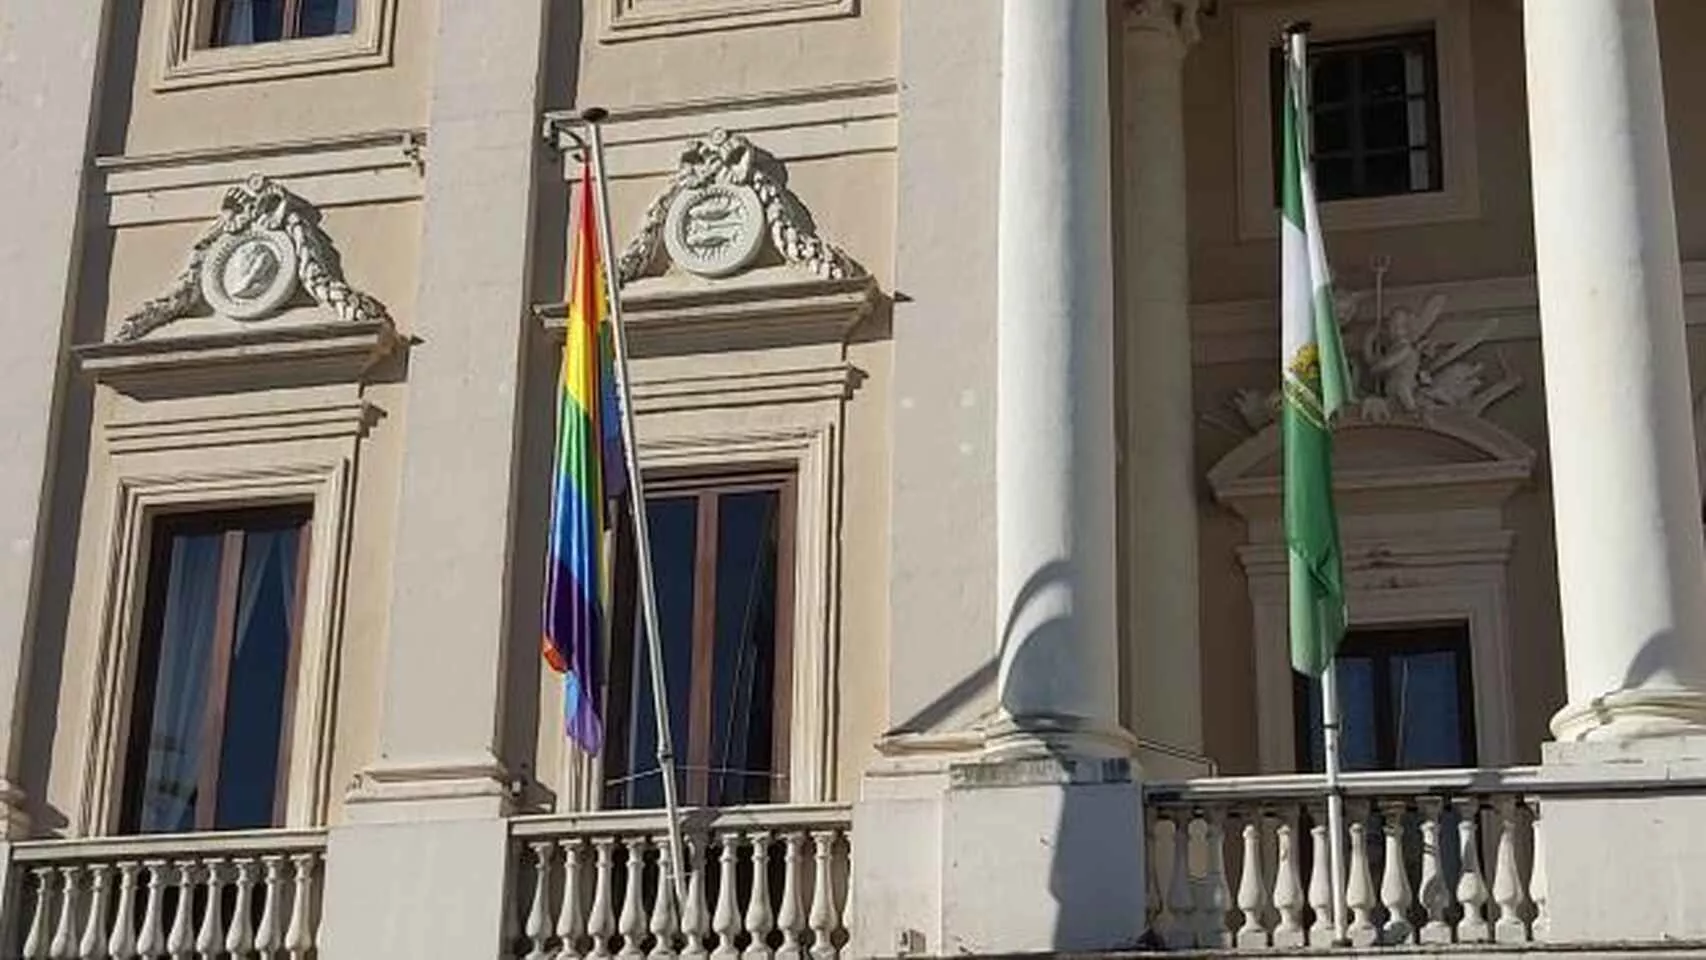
x=234 y=525
x=1256 y=29
x=290 y=26
x=189 y=59
x=1375 y=642
x=706 y=488
x=1427 y=41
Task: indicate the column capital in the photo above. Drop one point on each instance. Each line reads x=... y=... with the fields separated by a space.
x=1179 y=19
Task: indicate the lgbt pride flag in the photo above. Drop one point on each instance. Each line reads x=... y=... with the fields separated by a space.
x=583 y=475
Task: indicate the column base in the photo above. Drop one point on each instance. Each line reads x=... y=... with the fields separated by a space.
x=1624 y=865
x=1640 y=714
x=1049 y=735
x=1001 y=855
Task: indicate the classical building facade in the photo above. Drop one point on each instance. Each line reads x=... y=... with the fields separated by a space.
x=955 y=335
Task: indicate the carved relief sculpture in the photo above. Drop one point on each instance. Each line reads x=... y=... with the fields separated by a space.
x=721 y=202
x=265 y=245
x=1402 y=369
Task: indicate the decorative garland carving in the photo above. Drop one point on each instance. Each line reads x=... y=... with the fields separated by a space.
x=274 y=238
x=729 y=158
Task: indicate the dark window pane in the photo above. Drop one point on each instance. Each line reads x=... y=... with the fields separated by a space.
x=1329 y=79
x=1386 y=173
x=743 y=690
x=1383 y=73
x=255 y=705
x=1332 y=130
x=240 y=22
x=1426 y=710
x=1335 y=178
x=172 y=771
x=674 y=530
x=1386 y=126
x=323 y=18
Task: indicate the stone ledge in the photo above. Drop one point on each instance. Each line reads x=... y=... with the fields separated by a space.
x=241 y=361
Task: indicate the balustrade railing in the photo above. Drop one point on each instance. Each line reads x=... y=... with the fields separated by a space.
x=762 y=883
x=1431 y=858
x=238 y=895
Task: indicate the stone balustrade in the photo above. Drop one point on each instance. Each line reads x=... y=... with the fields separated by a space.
x=1432 y=857
x=763 y=883
x=238 y=895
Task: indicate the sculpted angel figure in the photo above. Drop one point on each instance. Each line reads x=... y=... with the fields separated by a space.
x=1395 y=357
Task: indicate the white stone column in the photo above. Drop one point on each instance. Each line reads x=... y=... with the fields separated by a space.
x=1631 y=568
x=49 y=61
x=1158 y=522
x=1054 y=443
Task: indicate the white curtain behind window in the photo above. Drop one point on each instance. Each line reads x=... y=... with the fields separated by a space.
x=180 y=691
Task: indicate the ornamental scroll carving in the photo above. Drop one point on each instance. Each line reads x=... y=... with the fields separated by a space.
x=726 y=197
x=1400 y=366
x=265 y=246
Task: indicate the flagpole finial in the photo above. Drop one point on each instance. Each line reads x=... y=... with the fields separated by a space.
x=594 y=114
x=1293 y=27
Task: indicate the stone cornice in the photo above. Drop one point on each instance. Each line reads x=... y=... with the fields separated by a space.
x=1180 y=18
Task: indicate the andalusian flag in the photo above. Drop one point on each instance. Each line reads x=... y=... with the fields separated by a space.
x=1317 y=383
x=584 y=475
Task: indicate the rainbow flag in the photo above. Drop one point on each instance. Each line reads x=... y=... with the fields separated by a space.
x=587 y=470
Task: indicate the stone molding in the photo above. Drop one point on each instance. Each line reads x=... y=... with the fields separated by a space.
x=833 y=120
x=186 y=60
x=263 y=359
x=638 y=19
x=258 y=210
x=174 y=186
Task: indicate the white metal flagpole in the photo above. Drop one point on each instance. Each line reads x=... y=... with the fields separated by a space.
x=637 y=502
x=1297 y=41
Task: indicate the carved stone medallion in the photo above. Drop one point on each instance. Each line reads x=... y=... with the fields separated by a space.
x=247 y=276
x=714 y=230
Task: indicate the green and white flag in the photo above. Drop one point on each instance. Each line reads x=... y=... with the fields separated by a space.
x=1317 y=383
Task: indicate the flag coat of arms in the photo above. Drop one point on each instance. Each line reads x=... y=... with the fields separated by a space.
x=1316 y=384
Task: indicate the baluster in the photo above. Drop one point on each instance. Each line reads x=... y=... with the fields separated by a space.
x=65 y=933
x=1320 y=880
x=1471 y=888
x=1213 y=896
x=152 y=942
x=1508 y=890
x=822 y=913
x=790 y=917
x=571 y=921
x=536 y=931
x=36 y=940
x=1153 y=903
x=509 y=941
x=847 y=905
x=299 y=934
x=760 y=919
x=1180 y=903
x=632 y=921
x=267 y=938
x=122 y=944
x=1288 y=885
x=210 y=937
x=181 y=941
x=695 y=916
x=1539 y=889
x=1435 y=893
x=1359 y=890
x=664 y=923
x=602 y=925
x=240 y=935
x=1395 y=879
x=93 y=945
x=1253 y=883
x=726 y=921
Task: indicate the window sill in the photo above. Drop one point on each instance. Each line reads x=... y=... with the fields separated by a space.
x=638 y=19
x=188 y=64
